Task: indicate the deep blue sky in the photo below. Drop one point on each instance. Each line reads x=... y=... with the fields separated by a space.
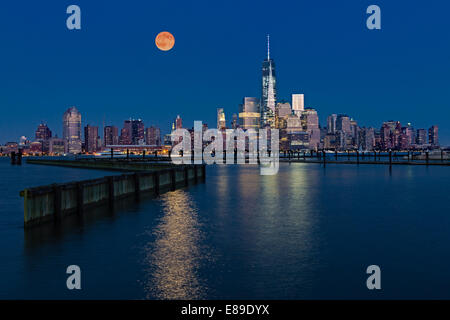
x=112 y=70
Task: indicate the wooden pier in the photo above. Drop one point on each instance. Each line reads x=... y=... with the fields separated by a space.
x=54 y=202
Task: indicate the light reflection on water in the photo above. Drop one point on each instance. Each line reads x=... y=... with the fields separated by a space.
x=174 y=257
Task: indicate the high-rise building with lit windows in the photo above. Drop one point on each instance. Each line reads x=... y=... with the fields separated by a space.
x=90 y=138
x=111 y=136
x=43 y=132
x=221 y=123
x=298 y=104
x=72 y=130
x=249 y=113
x=433 y=137
x=269 y=91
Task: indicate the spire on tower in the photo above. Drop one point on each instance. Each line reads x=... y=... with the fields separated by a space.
x=268 y=47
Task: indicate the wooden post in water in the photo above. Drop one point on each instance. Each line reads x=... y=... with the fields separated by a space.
x=143 y=154
x=195 y=174
x=112 y=153
x=390 y=158
x=156 y=183
x=137 y=185
x=203 y=172
x=13 y=157
x=357 y=156
x=186 y=175
x=19 y=157
x=324 y=158
x=427 y=157
x=348 y=155
x=111 y=190
x=80 y=198
x=335 y=155
x=172 y=180
x=128 y=154
x=57 y=203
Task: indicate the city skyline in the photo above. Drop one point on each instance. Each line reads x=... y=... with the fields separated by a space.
x=365 y=74
x=299 y=126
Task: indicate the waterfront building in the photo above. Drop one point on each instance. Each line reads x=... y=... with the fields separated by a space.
x=433 y=137
x=366 y=139
x=343 y=124
x=133 y=132
x=421 y=137
x=269 y=92
x=35 y=147
x=167 y=139
x=72 y=130
x=329 y=141
x=110 y=136
x=310 y=124
x=178 y=122
x=282 y=111
x=298 y=104
x=91 y=139
x=153 y=136
x=221 y=123
x=235 y=121
x=293 y=124
x=299 y=141
x=137 y=132
x=55 y=146
x=249 y=113
x=125 y=133
x=43 y=132
x=331 y=123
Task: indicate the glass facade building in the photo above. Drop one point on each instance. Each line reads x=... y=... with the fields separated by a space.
x=269 y=92
x=72 y=130
x=249 y=113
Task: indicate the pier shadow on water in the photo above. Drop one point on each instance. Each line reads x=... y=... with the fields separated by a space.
x=54 y=232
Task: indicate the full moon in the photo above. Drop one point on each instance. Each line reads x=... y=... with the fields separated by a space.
x=164 y=41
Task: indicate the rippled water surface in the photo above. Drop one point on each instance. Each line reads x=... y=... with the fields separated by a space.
x=308 y=232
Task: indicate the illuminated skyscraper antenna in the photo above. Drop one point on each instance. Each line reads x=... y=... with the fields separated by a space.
x=268 y=47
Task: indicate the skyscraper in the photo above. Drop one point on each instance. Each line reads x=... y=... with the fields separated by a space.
x=72 y=130
x=421 y=137
x=125 y=133
x=234 y=122
x=178 y=122
x=249 y=113
x=221 y=124
x=43 y=132
x=298 y=103
x=433 y=137
x=331 y=123
x=310 y=124
x=90 y=138
x=111 y=136
x=137 y=131
x=133 y=132
x=153 y=136
x=269 y=92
